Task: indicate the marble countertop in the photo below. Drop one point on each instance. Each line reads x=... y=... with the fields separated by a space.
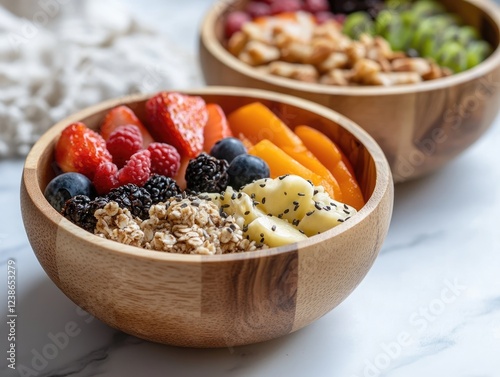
x=430 y=306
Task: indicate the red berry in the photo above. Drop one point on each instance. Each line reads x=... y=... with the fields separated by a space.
x=315 y=6
x=322 y=17
x=235 y=21
x=340 y=18
x=105 y=178
x=137 y=169
x=122 y=116
x=123 y=142
x=165 y=160
x=283 y=6
x=81 y=150
x=258 y=9
x=178 y=119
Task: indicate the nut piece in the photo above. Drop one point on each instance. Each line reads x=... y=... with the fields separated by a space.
x=301 y=72
x=295 y=47
x=257 y=53
x=237 y=43
x=340 y=77
x=419 y=65
x=365 y=71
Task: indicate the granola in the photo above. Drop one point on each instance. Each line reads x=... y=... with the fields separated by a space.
x=181 y=225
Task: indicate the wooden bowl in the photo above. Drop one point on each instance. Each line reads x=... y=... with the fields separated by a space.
x=420 y=127
x=222 y=300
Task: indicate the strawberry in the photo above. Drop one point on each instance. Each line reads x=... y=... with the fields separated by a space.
x=80 y=149
x=165 y=160
x=122 y=116
x=217 y=127
x=137 y=169
x=177 y=119
x=105 y=178
x=123 y=142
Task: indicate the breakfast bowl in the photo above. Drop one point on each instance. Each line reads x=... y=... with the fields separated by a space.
x=420 y=126
x=212 y=300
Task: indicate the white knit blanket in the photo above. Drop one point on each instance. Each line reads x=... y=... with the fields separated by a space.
x=59 y=56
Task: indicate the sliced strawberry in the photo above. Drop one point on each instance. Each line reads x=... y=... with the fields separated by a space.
x=217 y=127
x=80 y=149
x=178 y=119
x=137 y=169
x=105 y=178
x=122 y=116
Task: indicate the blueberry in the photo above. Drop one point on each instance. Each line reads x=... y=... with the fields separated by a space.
x=227 y=149
x=245 y=169
x=66 y=186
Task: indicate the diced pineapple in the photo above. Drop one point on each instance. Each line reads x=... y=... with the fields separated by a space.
x=325 y=214
x=240 y=206
x=273 y=231
x=288 y=197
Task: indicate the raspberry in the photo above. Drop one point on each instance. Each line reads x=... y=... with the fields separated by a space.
x=137 y=170
x=315 y=6
x=258 y=9
x=235 y=21
x=123 y=142
x=165 y=160
x=283 y=6
x=105 y=178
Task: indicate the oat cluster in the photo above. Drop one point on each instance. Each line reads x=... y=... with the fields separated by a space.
x=180 y=225
x=300 y=49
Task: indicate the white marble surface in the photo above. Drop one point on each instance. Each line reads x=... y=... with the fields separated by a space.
x=430 y=306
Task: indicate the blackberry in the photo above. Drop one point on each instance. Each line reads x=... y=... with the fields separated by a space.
x=136 y=199
x=161 y=188
x=207 y=174
x=80 y=211
x=76 y=210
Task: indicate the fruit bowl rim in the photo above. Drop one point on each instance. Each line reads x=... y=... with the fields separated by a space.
x=210 y=41
x=383 y=178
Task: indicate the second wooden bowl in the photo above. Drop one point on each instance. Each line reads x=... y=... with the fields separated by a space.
x=212 y=301
x=420 y=127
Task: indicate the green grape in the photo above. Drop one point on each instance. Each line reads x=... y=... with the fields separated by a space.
x=425 y=30
x=390 y=26
x=427 y=8
x=453 y=55
x=467 y=34
x=358 y=23
x=409 y=18
x=477 y=51
x=398 y=5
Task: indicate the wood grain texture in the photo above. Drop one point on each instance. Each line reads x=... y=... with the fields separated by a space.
x=420 y=127
x=212 y=301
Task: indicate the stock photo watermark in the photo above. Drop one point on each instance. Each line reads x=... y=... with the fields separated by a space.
x=11 y=313
x=47 y=10
x=418 y=321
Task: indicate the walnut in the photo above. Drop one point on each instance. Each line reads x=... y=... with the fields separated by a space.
x=333 y=61
x=419 y=65
x=301 y=72
x=258 y=53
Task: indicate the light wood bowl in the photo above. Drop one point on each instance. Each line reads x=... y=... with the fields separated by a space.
x=420 y=127
x=212 y=301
